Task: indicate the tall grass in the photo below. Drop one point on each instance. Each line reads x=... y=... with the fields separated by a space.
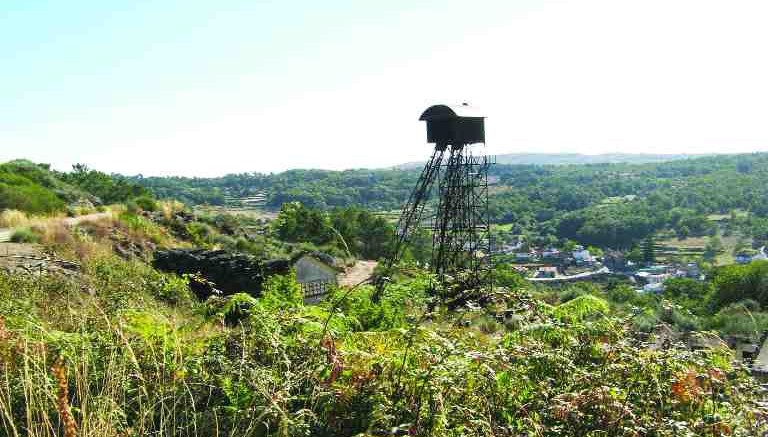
x=12 y=218
x=126 y=351
x=170 y=207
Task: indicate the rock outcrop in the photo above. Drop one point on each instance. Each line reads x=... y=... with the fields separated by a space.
x=224 y=271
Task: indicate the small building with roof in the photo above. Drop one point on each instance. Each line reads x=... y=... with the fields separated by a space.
x=316 y=273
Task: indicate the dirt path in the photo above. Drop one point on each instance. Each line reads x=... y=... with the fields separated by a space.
x=73 y=221
x=5 y=233
x=30 y=258
x=761 y=362
x=358 y=273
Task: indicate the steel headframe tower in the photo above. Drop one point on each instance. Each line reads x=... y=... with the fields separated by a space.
x=460 y=225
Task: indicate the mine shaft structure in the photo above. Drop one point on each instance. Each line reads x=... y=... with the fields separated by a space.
x=458 y=219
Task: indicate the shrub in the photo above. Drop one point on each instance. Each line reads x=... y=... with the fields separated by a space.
x=685 y=321
x=140 y=227
x=237 y=308
x=131 y=207
x=740 y=318
x=29 y=198
x=171 y=288
x=622 y=293
x=397 y=301
x=645 y=321
x=24 y=235
x=486 y=324
x=505 y=276
x=134 y=365
x=243 y=245
x=146 y=203
x=170 y=207
x=571 y=293
x=225 y=241
x=202 y=234
x=282 y=291
x=581 y=308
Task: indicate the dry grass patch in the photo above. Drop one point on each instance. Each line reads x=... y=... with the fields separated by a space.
x=12 y=218
x=170 y=208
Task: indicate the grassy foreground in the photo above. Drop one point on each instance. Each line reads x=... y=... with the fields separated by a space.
x=123 y=350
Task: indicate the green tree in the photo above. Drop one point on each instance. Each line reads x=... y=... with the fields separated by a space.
x=734 y=283
x=621 y=293
x=297 y=223
x=713 y=247
x=649 y=249
x=635 y=255
x=107 y=188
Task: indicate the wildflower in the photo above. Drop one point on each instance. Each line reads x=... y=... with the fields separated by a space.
x=334 y=360
x=62 y=399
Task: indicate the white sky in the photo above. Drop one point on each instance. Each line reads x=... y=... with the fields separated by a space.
x=570 y=76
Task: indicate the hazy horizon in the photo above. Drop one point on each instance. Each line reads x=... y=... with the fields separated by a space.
x=635 y=158
x=203 y=89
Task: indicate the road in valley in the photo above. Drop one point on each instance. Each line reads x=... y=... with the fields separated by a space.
x=584 y=275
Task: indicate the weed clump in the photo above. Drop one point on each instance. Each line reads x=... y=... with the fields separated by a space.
x=24 y=235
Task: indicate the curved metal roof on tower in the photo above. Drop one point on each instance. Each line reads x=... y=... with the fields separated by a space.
x=442 y=112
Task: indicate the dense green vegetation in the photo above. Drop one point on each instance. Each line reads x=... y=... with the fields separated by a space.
x=126 y=350
x=353 y=230
x=618 y=205
x=35 y=188
x=732 y=301
x=117 y=348
x=380 y=189
x=614 y=205
x=106 y=188
x=577 y=158
x=31 y=187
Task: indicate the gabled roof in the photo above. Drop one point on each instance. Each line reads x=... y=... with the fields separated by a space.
x=318 y=256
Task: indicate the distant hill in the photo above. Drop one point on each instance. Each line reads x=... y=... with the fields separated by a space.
x=575 y=158
x=578 y=158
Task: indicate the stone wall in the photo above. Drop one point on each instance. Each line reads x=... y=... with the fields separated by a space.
x=227 y=272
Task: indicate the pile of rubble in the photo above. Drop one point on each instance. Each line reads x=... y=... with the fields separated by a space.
x=30 y=260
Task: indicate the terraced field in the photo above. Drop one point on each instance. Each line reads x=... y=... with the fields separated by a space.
x=695 y=246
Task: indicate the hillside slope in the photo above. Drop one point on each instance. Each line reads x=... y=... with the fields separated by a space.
x=36 y=189
x=120 y=349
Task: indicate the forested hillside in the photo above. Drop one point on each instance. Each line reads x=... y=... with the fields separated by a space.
x=574 y=158
x=615 y=204
x=35 y=188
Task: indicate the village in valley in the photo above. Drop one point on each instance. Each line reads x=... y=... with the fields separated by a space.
x=552 y=264
x=647 y=266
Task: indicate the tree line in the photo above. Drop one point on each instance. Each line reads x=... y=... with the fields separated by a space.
x=611 y=205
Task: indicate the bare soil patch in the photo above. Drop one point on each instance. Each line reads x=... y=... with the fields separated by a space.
x=361 y=271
